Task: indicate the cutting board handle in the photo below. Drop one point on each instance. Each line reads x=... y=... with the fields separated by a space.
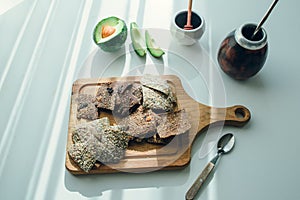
x=237 y=115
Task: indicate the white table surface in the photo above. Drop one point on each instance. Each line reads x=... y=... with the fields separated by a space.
x=46 y=45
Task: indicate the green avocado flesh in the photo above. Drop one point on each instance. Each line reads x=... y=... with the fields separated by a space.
x=110 y=34
x=138 y=42
x=155 y=50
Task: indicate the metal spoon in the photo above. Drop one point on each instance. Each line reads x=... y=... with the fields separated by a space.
x=225 y=144
x=265 y=17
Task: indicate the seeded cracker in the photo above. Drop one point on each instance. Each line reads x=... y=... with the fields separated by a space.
x=86 y=107
x=173 y=124
x=82 y=132
x=116 y=135
x=115 y=141
x=106 y=143
x=85 y=134
x=83 y=156
x=99 y=126
x=155 y=100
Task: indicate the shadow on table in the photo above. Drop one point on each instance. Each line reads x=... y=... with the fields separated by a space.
x=188 y=61
x=95 y=185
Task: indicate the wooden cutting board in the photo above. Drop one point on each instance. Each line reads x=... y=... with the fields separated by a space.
x=149 y=157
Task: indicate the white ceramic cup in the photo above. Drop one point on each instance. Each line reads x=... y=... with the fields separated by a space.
x=187 y=37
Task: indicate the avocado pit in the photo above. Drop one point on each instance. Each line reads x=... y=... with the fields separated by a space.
x=107 y=31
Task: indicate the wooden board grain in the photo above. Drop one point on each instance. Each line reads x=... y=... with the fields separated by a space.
x=149 y=157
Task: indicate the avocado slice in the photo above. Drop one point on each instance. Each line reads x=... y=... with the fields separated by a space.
x=110 y=34
x=138 y=41
x=155 y=50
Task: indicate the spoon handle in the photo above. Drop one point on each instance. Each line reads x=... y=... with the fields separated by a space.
x=191 y=193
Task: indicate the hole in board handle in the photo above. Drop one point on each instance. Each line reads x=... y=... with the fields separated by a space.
x=240 y=113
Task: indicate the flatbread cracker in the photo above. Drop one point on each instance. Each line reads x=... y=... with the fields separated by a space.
x=86 y=108
x=104 y=96
x=128 y=97
x=173 y=124
x=141 y=124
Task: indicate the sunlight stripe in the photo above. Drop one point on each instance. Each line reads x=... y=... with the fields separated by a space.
x=53 y=112
x=16 y=45
x=10 y=129
x=7 y=5
x=62 y=105
x=43 y=145
x=126 y=67
x=210 y=137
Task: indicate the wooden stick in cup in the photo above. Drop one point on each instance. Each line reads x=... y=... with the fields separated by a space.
x=188 y=25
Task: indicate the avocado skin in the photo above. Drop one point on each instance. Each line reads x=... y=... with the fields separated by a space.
x=114 y=43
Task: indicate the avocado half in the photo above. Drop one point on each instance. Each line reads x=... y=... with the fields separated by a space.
x=110 y=34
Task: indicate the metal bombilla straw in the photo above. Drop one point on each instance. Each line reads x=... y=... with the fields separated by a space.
x=264 y=18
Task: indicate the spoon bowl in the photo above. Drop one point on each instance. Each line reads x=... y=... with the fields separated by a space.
x=226 y=143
